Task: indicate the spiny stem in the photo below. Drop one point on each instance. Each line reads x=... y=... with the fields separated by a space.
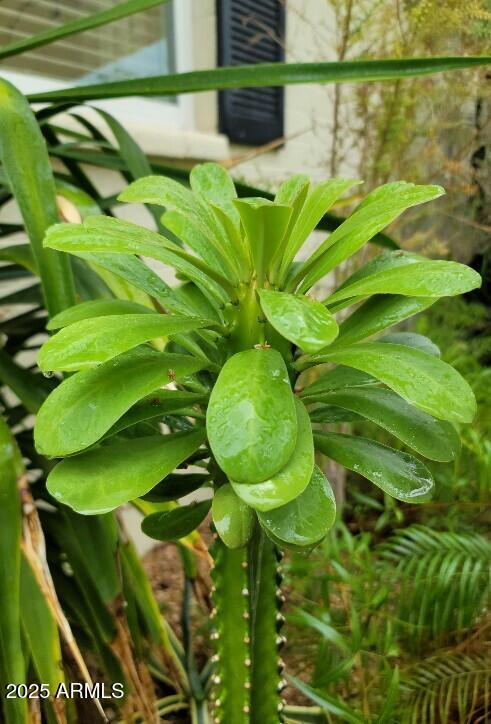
x=266 y=623
x=231 y=635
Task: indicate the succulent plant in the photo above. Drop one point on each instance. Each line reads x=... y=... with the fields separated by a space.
x=246 y=368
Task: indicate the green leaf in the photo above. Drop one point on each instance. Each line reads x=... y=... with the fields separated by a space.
x=329 y=633
x=377 y=314
x=85 y=406
x=306 y=520
x=136 y=161
x=135 y=467
x=94 y=20
x=434 y=439
x=412 y=339
x=293 y=193
x=375 y=212
x=174 y=196
x=336 y=379
x=92 y=546
x=398 y=474
x=113 y=236
x=20 y=254
x=303 y=321
x=41 y=631
x=92 y=341
x=419 y=277
x=329 y=703
x=163 y=402
x=31 y=389
x=215 y=185
x=96 y=308
x=197 y=303
x=26 y=163
x=137 y=275
x=267 y=74
x=329 y=413
x=233 y=519
x=176 y=486
x=177 y=523
x=291 y=480
x=12 y=666
x=251 y=419
x=318 y=201
x=424 y=380
x=192 y=236
x=265 y=225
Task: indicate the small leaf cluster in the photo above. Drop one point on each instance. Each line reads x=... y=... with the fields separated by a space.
x=222 y=356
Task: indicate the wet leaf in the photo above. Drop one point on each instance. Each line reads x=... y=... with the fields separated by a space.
x=303 y=321
x=411 y=339
x=424 y=380
x=417 y=277
x=175 y=486
x=434 y=439
x=96 y=308
x=291 y=480
x=106 y=235
x=251 y=419
x=176 y=523
x=265 y=225
x=329 y=413
x=92 y=341
x=377 y=314
x=375 y=212
x=398 y=474
x=336 y=379
x=101 y=479
x=306 y=520
x=215 y=184
x=85 y=406
x=318 y=201
x=233 y=519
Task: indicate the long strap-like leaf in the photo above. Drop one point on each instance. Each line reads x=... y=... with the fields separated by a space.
x=95 y=20
x=264 y=74
x=26 y=163
x=12 y=665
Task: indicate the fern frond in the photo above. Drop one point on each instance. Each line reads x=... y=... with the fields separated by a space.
x=448 y=688
x=444 y=580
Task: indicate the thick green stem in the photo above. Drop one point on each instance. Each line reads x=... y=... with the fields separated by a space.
x=266 y=622
x=247 y=680
x=231 y=681
x=248 y=328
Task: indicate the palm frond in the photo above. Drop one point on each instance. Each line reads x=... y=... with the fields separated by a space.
x=448 y=688
x=444 y=581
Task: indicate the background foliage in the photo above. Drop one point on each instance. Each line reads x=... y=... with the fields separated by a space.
x=389 y=616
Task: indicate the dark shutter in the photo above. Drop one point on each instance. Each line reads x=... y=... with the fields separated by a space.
x=251 y=31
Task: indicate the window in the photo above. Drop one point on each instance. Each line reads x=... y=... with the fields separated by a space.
x=136 y=46
x=154 y=42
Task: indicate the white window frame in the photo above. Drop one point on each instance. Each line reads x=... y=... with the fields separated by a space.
x=145 y=118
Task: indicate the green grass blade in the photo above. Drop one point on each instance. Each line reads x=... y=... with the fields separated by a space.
x=265 y=74
x=95 y=20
